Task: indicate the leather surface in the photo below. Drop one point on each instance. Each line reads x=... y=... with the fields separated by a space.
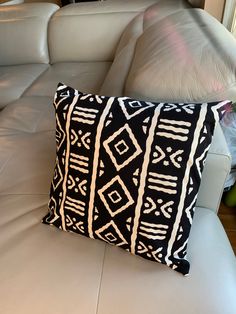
x=85 y=76
x=215 y=172
x=23 y=30
x=130 y=285
x=108 y=6
x=29 y=155
x=61 y=272
x=115 y=80
x=97 y=43
x=163 y=9
x=114 y=84
x=91 y=36
x=184 y=59
x=45 y=270
x=14 y=80
x=28 y=115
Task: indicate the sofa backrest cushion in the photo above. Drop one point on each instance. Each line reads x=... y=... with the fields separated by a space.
x=114 y=83
x=23 y=32
x=186 y=56
x=91 y=31
x=115 y=80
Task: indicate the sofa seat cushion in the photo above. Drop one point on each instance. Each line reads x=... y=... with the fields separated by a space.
x=29 y=155
x=42 y=268
x=87 y=76
x=144 y=287
x=27 y=138
x=63 y=273
x=28 y=115
x=14 y=80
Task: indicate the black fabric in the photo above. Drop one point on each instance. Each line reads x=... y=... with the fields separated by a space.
x=128 y=172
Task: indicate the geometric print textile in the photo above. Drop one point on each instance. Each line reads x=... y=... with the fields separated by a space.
x=128 y=172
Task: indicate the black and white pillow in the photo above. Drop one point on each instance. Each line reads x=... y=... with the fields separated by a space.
x=128 y=172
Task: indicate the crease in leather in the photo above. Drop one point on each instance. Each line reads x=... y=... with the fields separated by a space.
x=134 y=42
x=23 y=194
x=23 y=228
x=134 y=52
x=219 y=154
x=223 y=88
x=101 y=279
x=22 y=215
x=33 y=130
x=28 y=87
x=23 y=132
x=32 y=17
x=164 y=17
x=14 y=241
x=56 y=69
x=23 y=88
x=118 y=53
x=96 y=14
x=6 y=162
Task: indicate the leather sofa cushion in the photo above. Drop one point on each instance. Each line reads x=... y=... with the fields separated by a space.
x=94 y=28
x=130 y=285
x=14 y=80
x=115 y=81
x=68 y=273
x=43 y=268
x=29 y=155
x=84 y=75
x=23 y=30
x=28 y=115
x=183 y=60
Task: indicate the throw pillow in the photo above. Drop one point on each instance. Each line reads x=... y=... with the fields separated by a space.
x=128 y=172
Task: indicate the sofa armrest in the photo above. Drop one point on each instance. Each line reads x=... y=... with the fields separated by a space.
x=217 y=167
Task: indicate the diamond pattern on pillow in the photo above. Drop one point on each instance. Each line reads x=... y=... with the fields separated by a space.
x=128 y=172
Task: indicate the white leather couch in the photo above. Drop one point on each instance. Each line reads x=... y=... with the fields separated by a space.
x=169 y=51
